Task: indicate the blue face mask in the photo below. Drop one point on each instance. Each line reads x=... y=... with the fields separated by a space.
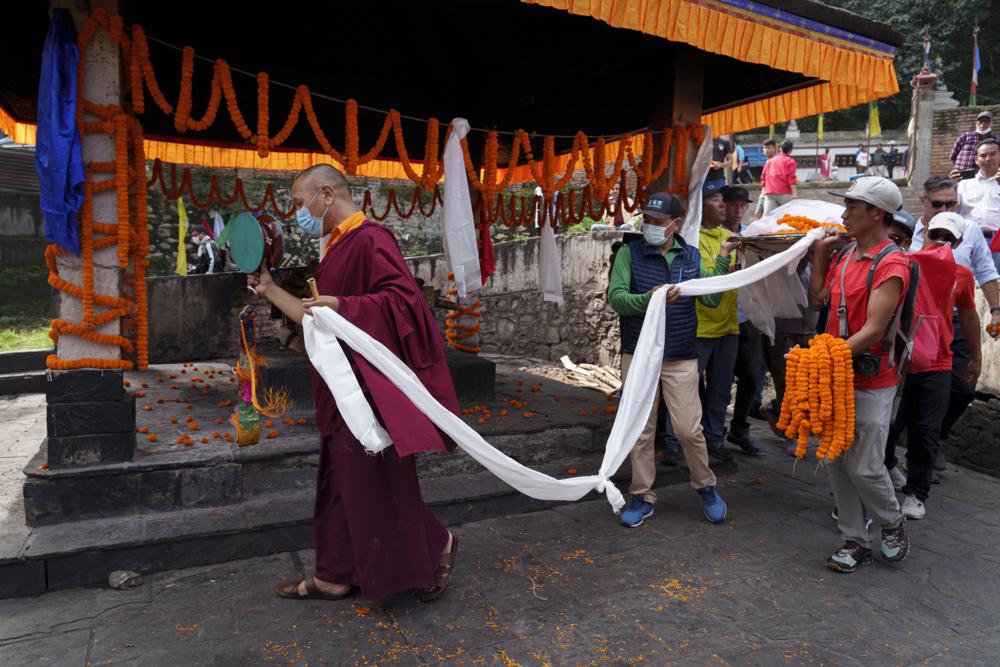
x=311 y=224
x=655 y=236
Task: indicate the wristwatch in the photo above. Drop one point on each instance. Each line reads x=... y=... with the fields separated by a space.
x=994 y=310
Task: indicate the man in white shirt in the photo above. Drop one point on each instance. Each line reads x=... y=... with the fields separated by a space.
x=861 y=158
x=979 y=197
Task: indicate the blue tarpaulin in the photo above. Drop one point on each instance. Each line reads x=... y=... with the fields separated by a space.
x=58 y=155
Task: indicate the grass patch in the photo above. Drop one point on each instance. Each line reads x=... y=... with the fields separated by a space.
x=25 y=339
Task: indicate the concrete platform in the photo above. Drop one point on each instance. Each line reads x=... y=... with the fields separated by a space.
x=569 y=586
x=176 y=506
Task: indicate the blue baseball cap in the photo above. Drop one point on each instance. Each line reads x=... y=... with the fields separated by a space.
x=713 y=186
x=904 y=219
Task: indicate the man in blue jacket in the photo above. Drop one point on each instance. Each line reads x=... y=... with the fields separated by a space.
x=642 y=266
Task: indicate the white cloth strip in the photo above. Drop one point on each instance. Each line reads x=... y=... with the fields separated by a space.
x=324 y=330
x=459 y=224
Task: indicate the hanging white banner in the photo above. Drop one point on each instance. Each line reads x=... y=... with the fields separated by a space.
x=459 y=224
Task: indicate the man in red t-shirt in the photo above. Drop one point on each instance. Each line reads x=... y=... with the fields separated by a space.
x=778 y=179
x=927 y=389
x=861 y=316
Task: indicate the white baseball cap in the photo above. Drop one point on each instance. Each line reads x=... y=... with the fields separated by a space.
x=950 y=222
x=875 y=190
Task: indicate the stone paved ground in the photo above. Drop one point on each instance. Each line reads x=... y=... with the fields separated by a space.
x=569 y=586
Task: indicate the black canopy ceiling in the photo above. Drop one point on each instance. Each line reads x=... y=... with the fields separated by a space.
x=501 y=64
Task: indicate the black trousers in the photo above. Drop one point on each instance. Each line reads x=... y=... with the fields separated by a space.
x=749 y=356
x=921 y=410
x=962 y=393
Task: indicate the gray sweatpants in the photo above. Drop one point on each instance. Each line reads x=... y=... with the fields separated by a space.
x=859 y=478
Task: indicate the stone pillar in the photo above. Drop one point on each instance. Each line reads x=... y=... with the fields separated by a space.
x=90 y=416
x=682 y=108
x=922 y=138
x=102 y=85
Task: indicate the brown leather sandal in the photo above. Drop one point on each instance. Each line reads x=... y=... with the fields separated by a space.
x=290 y=590
x=442 y=577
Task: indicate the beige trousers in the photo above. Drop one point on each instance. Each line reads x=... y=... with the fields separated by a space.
x=679 y=386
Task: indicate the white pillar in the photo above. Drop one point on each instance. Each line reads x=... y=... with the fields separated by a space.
x=102 y=85
x=922 y=141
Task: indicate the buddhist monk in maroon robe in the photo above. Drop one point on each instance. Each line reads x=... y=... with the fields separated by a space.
x=373 y=530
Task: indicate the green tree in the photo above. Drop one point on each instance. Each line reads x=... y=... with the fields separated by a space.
x=950 y=24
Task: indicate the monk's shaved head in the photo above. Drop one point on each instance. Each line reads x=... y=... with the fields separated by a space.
x=326 y=190
x=322 y=174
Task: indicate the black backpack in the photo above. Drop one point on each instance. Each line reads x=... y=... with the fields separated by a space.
x=903 y=324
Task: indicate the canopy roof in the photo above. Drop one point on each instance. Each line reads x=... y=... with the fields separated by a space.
x=546 y=66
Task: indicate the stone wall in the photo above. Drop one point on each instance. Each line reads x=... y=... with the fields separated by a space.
x=975 y=438
x=196 y=317
x=417 y=235
x=948 y=124
x=20 y=215
x=517 y=321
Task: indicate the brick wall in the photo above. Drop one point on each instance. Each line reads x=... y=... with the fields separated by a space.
x=948 y=124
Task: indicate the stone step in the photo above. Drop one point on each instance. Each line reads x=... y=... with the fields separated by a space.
x=83 y=553
x=23 y=361
x=189 y=478
x=22 y=382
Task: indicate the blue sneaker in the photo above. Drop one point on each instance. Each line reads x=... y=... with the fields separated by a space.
x=715 y=507
x=637 y=511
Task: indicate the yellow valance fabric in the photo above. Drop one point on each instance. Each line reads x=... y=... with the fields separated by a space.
x=854 y=72
x=224 y=157
x=21 y=133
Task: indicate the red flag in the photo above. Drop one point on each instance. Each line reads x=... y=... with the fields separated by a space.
x=487 y=261
x=995 y=244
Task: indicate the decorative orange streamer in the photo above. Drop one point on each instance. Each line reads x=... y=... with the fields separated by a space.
x=130 y=233
x=456 y=332
x=128 y=181
x=819 y=397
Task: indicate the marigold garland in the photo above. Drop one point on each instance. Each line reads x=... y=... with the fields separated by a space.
x=819 y=397
x=141 y=75
x=455 y=332
x=801 y=223
x=129 y=180
x=129 y=232
x=261 y=139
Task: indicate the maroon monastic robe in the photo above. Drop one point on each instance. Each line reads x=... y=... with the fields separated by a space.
x=371 y=525
x=366 y=272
